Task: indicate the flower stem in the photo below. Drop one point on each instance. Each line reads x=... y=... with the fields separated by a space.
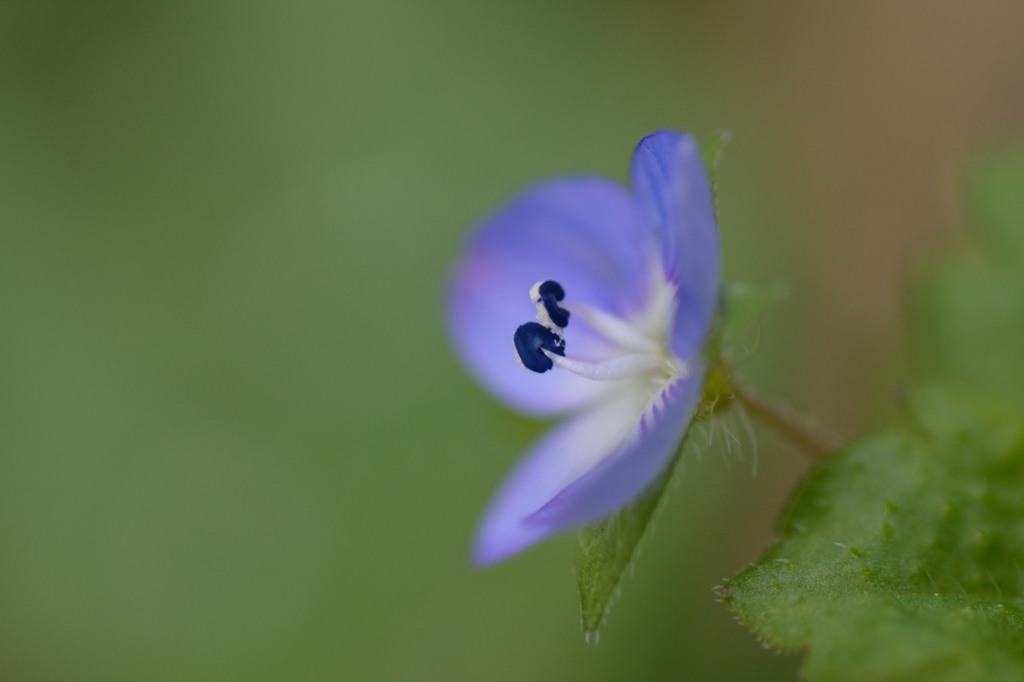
x=801 y=431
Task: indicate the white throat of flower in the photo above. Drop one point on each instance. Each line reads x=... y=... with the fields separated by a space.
x=639 y=352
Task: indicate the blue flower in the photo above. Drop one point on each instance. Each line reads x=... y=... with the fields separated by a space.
x=623 y=285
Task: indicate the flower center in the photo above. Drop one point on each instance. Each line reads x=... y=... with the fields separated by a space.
x=638 y=350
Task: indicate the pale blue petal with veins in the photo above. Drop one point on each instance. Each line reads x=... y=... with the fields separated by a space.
x=639 y=270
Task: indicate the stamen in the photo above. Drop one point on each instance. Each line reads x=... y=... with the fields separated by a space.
x=621 y=367
x=613 y=328
x=536 y=345
x=546 y=295
x=540 y=345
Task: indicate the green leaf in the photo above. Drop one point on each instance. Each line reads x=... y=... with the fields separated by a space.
x=969 y=325
x=967 y=311
x=903 y=557
x=995 y=200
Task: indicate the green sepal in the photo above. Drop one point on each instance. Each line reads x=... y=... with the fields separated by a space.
x=606 y=549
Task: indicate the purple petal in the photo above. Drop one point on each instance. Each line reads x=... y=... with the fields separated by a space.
x=587 y=234
x=671 y=185
x=621 y=478
x=579 y=471
x=563 y=455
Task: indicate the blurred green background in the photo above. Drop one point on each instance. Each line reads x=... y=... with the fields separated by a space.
x=235 y=443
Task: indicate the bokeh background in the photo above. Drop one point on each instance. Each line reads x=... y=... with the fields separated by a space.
x=234 y=442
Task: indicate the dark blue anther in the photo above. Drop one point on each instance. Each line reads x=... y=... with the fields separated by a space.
x=530 y=338
x=550 y=293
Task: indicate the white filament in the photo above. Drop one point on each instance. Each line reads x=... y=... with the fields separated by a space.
x=613 y=328
x=615 y=369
